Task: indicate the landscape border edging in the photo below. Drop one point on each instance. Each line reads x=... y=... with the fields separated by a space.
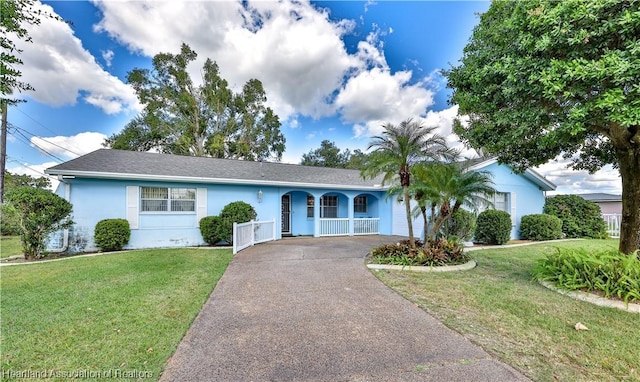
x=443 y=268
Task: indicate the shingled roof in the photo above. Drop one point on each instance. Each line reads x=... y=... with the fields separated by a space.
x=119 y=164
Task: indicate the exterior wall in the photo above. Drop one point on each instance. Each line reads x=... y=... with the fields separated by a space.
x=524 y=198
x=97 y=199
x=610 y=207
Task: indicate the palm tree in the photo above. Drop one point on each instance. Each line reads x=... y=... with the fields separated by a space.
x=397 y=149
x=449 y=186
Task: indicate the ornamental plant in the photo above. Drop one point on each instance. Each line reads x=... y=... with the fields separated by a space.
x=220 y=228
x=493 y=227
x=540 y=227
x=41 y=213
x=111 y=234
x=580 y=218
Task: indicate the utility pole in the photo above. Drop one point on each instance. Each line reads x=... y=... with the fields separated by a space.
x=3 y=148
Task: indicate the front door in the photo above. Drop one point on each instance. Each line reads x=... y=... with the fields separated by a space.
x=286 y=214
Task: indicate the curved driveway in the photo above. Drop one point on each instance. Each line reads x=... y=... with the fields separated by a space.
x=307 y=309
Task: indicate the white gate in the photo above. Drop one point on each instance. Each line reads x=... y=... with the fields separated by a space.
x=253 y=232
x=613 y=224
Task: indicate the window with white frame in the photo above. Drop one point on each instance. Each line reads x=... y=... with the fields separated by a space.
x=167 y=199
x=310 y=202
x=360 y=204
x=501 y=201
x=329 y=206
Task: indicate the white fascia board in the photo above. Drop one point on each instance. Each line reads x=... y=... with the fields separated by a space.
x=187 y=179
x=482 y=164
x=540 y=180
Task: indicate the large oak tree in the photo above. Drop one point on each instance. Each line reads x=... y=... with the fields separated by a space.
x=543 y=78
x=183 y=118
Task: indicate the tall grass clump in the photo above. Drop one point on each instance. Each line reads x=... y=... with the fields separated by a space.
x=610 y=272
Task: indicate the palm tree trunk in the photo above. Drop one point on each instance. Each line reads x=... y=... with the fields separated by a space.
x=407 y=206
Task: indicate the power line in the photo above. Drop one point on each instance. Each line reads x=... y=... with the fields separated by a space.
x=49 y=142
x=36 y=121
x=23 y=164
x=28 y=141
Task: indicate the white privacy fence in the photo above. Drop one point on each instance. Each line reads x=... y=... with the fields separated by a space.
x=253 y=232
x=340 y=226
x=613 y=224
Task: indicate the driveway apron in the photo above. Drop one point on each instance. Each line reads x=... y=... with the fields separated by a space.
x=308 y=309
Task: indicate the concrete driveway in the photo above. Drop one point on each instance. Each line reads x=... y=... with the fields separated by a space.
x=307 y=309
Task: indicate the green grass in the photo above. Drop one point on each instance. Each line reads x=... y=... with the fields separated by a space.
x=499 y=307
x=10 y=246
x=122 y=311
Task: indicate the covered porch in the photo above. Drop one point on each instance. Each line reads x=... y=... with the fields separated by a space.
x=330 y=213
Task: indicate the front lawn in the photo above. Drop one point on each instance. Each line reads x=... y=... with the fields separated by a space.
x=112 y=315
x=499 y=307
x=10 y=246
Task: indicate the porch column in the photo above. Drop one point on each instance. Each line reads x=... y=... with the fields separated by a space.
x=316 y=216
x=350 y=215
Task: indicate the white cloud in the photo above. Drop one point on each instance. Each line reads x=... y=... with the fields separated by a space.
x=70 y=147
x=292 y=47
x=60 y=70
x=107 y=56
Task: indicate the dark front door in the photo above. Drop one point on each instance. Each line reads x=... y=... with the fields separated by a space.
x=286 y=214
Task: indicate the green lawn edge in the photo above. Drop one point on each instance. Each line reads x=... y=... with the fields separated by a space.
x=117 y=316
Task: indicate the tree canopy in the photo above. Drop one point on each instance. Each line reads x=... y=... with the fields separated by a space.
x=183 y=118
x=24 y=180
x=329 y=155
x=543 y=78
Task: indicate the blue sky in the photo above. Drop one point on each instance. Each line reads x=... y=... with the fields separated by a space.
x=332 y=70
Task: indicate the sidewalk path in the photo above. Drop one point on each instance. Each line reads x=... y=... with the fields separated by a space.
x=307 y=309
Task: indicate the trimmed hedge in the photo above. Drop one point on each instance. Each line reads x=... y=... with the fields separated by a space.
x=493 y=227
x=210 y=229
x=220 y=228
x=111 y=234
x=580 y=217
x=540 y=227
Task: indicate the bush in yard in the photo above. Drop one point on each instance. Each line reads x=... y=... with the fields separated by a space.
x=461 y=225
x=9 y=220
x=235 y=212
x=41 y=213
x=580 y=217
x=111 y=234
x=540 y=227
x=210 y=229
x=610 y=272
x=493 y=227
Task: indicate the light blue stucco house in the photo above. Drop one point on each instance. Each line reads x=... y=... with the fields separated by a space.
x=164 y=196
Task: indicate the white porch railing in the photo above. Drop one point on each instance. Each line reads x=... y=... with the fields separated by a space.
x=366 y=226
x=340 y=226
x=613 y=224
x=334 y=226
x=253 y=232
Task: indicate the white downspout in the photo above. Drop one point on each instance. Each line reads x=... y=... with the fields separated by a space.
x=65 y=232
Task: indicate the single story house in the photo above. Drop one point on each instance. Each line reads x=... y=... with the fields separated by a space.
x=164 y=197
x=609 y=203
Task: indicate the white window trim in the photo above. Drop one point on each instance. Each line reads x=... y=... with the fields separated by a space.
x=195 y=202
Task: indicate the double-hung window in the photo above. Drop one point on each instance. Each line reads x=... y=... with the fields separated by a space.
x=501 y=201
x=329 y=206
x=167 y=199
